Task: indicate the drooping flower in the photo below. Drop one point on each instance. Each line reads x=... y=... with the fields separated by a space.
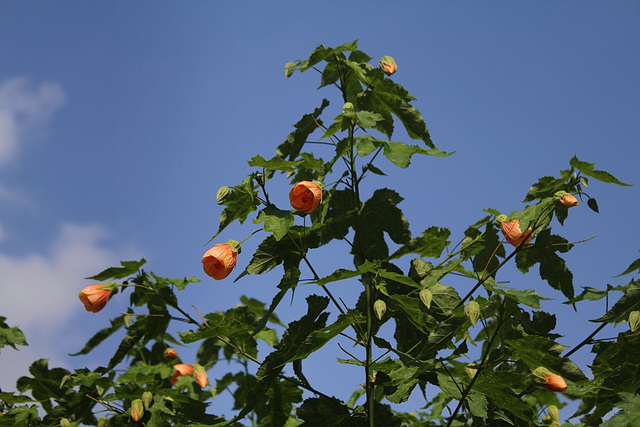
x=569 y=200
x=220 y=260
x=95 y=297
x=182 y=369
x=513 y=233
x=305 y=196
x=549 y=380
x=200 y=375
x=388 y=65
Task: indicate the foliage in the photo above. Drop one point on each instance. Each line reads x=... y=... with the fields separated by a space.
x=469 y=350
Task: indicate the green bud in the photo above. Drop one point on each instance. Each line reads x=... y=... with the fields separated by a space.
x=289 y=68
x=222 y=193
x=137 y=409
x=147 y=398
x=213 y=392
x=128 y=319
x=348 y=106
x=554 y=413
x=379 y=307
x=472 y=311
x=426 y=296
x=64 y=422
x=634 y=320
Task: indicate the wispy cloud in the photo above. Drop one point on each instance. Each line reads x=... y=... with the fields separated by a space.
x=39 y=294
x=24 y=110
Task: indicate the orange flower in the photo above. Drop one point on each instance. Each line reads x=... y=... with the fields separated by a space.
x=555 y=382
x=219 y=261
x=568 y=200
x=305 y=196
x=95 y=297
x=170 y=353
x=388 y=65
x=549 y=380
x=181 y=370
x=514 y=234
x=200 y=375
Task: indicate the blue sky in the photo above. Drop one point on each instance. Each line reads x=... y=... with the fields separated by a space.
x=120 y=120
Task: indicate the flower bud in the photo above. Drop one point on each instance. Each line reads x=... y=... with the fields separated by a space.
x=200 y=375
x=565 y=199
x=95 y=297
x=213 y=392
x=426 y=296
x=472 y=311
x=549 y=380
x=514 y=234
x=388 y=65
x=348 y=106
x=170 y=353
x=222 y=193
x=147 y=398
x=64 y=422
x=379 y=307
x=137 y=409
x=554 y=414
x=219 y=261
x=305 y=196
x=289 y=68
x=634 y=320
x=181 y=370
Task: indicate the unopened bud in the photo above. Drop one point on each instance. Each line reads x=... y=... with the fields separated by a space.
x=137 y=409
x=64 y=422
x=222 y=193
x=554 y=413
x=289 y=68
x=472 y=311
x=170 y=353
x=426 y=296
x=634 y=320
x=147 y=398
x=379 y=307
x=213 y=392
x=348 y=106
x=388 y=65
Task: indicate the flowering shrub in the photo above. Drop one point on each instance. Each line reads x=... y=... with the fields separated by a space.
x=435 y=297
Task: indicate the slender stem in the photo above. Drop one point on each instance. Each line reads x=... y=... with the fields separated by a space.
x=586 y=340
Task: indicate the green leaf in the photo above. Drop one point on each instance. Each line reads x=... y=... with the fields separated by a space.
x=629 y=414
x=431 y=244
x=635 y=265
x=291 y=147
x=528 y=297
x=128 y=268
x=276 y=221
x=537 y=351
x=235 y=321
x=10 y=336
x=276 y=163
x=628 y=303
x=322 y=52
x=553 y=269
x=240 y=202
x=588 y=169
x=379 y=215
x=497 y=387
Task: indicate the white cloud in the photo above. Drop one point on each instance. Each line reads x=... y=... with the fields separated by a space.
x=39 y=294
x=23 y=112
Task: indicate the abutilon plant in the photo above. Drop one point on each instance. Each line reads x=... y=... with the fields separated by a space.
x=433 y=320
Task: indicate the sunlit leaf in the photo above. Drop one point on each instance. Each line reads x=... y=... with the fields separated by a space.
x=588 y=169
